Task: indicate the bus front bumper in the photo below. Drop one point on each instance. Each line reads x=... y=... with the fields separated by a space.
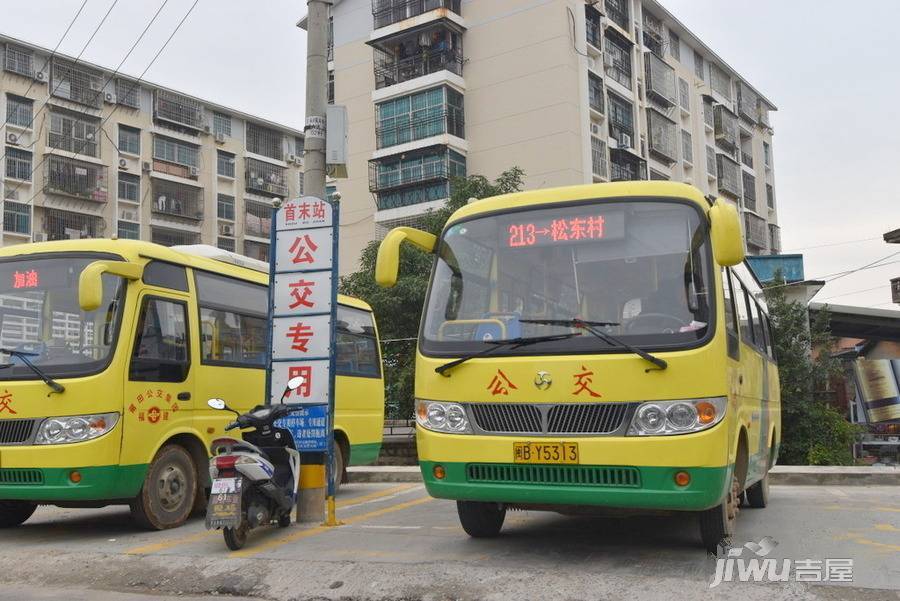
x=57 y=485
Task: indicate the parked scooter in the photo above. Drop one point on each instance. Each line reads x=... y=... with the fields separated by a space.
x=254 y=480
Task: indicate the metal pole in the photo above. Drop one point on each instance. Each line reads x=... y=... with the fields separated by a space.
x=312 y=497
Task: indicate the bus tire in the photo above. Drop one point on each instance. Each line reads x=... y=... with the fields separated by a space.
x=758 y=494
x=338 y=466
x=717 y=524
x=15 y=513
x=170 y=488
x=481 y=520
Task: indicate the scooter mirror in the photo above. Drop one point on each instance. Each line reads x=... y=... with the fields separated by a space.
x=216 y=403
x=296 y=382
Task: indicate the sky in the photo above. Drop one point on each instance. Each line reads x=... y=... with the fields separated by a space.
x=831 y=72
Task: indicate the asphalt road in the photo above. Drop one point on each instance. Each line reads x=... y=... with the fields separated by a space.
x=398 y=543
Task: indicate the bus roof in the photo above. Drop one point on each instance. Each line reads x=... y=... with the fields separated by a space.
x=618 y=190
x=197 y=256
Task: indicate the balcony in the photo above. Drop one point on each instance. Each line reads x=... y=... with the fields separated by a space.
x=411 y=180
x=729 y=176
x=662 y=137
x=408 y=128
x=625 y=166
x=749 y=189
x=388 y=12
x=167 y=237
x=172 y=199
x=76 y=83
x=257 y=219
x=726 y=127
x=256 y=250
x=747 y=158
x=177 y=109
x=70 y=177
x=755 y=230
x=390 y=69
x=265 y=178
x=66 y=225
x=617 y=58
x=660 y=81
x=748 y=102
x=617 y=11
x=74 y=133
x=265 y=141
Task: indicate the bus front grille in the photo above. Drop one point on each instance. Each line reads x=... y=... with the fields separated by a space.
x=21 y=476
x=545 y=419
x=554 y=475
x=16 y=431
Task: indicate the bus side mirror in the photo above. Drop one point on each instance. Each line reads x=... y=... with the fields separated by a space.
x=727 y=239
x=90 y=282
x=388 y=263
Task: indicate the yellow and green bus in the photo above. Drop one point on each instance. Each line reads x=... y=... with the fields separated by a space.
x=593 y=346
x=112 y=348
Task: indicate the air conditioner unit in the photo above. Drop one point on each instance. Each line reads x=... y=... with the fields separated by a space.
x=12 y=139
x=195 y=172
x=226 y=229
x=596 y=129
x=298 y=160
x=220 y=138
x=96 y=86
x=39 y=237
x=145 y=166
x=40 y=76
x=624 y=141
x=123 y=164
x=291 y=158
x=109 y=98
x=206 y=129
x=129 y=215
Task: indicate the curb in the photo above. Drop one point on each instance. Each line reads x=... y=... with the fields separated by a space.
x=781 y=475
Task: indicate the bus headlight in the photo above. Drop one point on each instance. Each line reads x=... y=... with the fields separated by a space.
x=663 y=418
x=75 y=428
x=442 y=417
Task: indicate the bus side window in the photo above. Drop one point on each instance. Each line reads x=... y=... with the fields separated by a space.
x=740 y=301
x=758 y=335
x=731 y=324
x=772 y=353
x=161 y=347
x=232 y=320
x=357 y=347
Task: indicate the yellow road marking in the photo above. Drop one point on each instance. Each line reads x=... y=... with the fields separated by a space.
x=887 y=527
x=872 y=543
x=857 y=508
x=300 y=534
x=198 y=536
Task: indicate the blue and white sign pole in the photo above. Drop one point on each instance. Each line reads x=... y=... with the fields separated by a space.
x=303 y=274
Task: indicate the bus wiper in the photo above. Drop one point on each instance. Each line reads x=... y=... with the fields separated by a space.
x=497 y=344
x=23 y=357
x=591 y=326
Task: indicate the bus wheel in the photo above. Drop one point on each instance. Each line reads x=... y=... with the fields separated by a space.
x=337 y=471
x=717 y=524
x=758 y=494
x=14 y=513
x=169 y=490
x=481 y=520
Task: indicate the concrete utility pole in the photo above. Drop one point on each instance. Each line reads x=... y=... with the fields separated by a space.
x=312 y=493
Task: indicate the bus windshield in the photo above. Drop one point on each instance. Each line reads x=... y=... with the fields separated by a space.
x=641 y=267
x=40 y=314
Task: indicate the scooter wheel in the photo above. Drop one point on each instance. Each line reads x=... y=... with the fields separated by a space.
x=284 y=520
x=235 y=538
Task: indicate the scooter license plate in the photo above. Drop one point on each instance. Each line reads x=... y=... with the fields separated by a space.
x=224 y=509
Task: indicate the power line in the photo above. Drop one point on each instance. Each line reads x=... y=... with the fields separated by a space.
x=833 y=244
x=867 y=266
x=840 y=274
x=52 y=54
x=133 y=86
x=77 y=58
x=854 y=292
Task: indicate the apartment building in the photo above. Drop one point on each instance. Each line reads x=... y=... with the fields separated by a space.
x=572 y=91
x=89 y=153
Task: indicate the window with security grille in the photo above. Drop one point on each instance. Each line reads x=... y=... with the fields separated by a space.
x=698 y=65
x=68 y=225
x=729 y=177
x=687 y=146
x=128 y=93
x=77 y=83
x=176 y=199
x=16 y=217
x=265 y=141
x=770 y=196
x=299 y=145
x=71 y=177
x=421 y=115
x=621 y=120
x=19 y=60
x=170 y=237
x=684 y=95
x=617 y=11
x=225 y=243
x=767 y=154
x=129 y=187
x=617 y=58
x=225 y=207
x=129 y=230
x=674 y=45
x=225 y=163
x=662 y=136
x=660 y=81
x=222 y=124
x=720 y=81
x=265 y=178
x=18 y=164
x=178 y=109
x=595 y=92
x=74 y=133
x=257 y=219
x=256 y=250
x=175 y=151
x=129 y=140
x=749 y=191
x=19 y=110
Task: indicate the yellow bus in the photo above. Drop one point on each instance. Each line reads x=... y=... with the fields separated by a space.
x=112 y=348
x=593 y=346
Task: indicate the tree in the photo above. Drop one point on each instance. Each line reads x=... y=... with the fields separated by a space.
x=398 y=310
x=813 y=432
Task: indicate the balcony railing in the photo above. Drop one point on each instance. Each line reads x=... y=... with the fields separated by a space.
x=168 y=237
x=382 y=181
x=390 y=71
x=617 y=11
x=618 y=68
x=748 y=102
x=749 y=189
x=624 y=166
x=257 y=219
x=177 y=200
x=660 y=81
x=76 y=83
x=774 y=239
x=401 y=131
x=265 y=178
x=755 y=230
x=726 y=127
x=662 y=136
x=388 y=12
x=71 y=177
x=593 y=31
x=178 y=109
x=175 y=169
x=747 y=158
x=729 y=176
x=66 y=225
